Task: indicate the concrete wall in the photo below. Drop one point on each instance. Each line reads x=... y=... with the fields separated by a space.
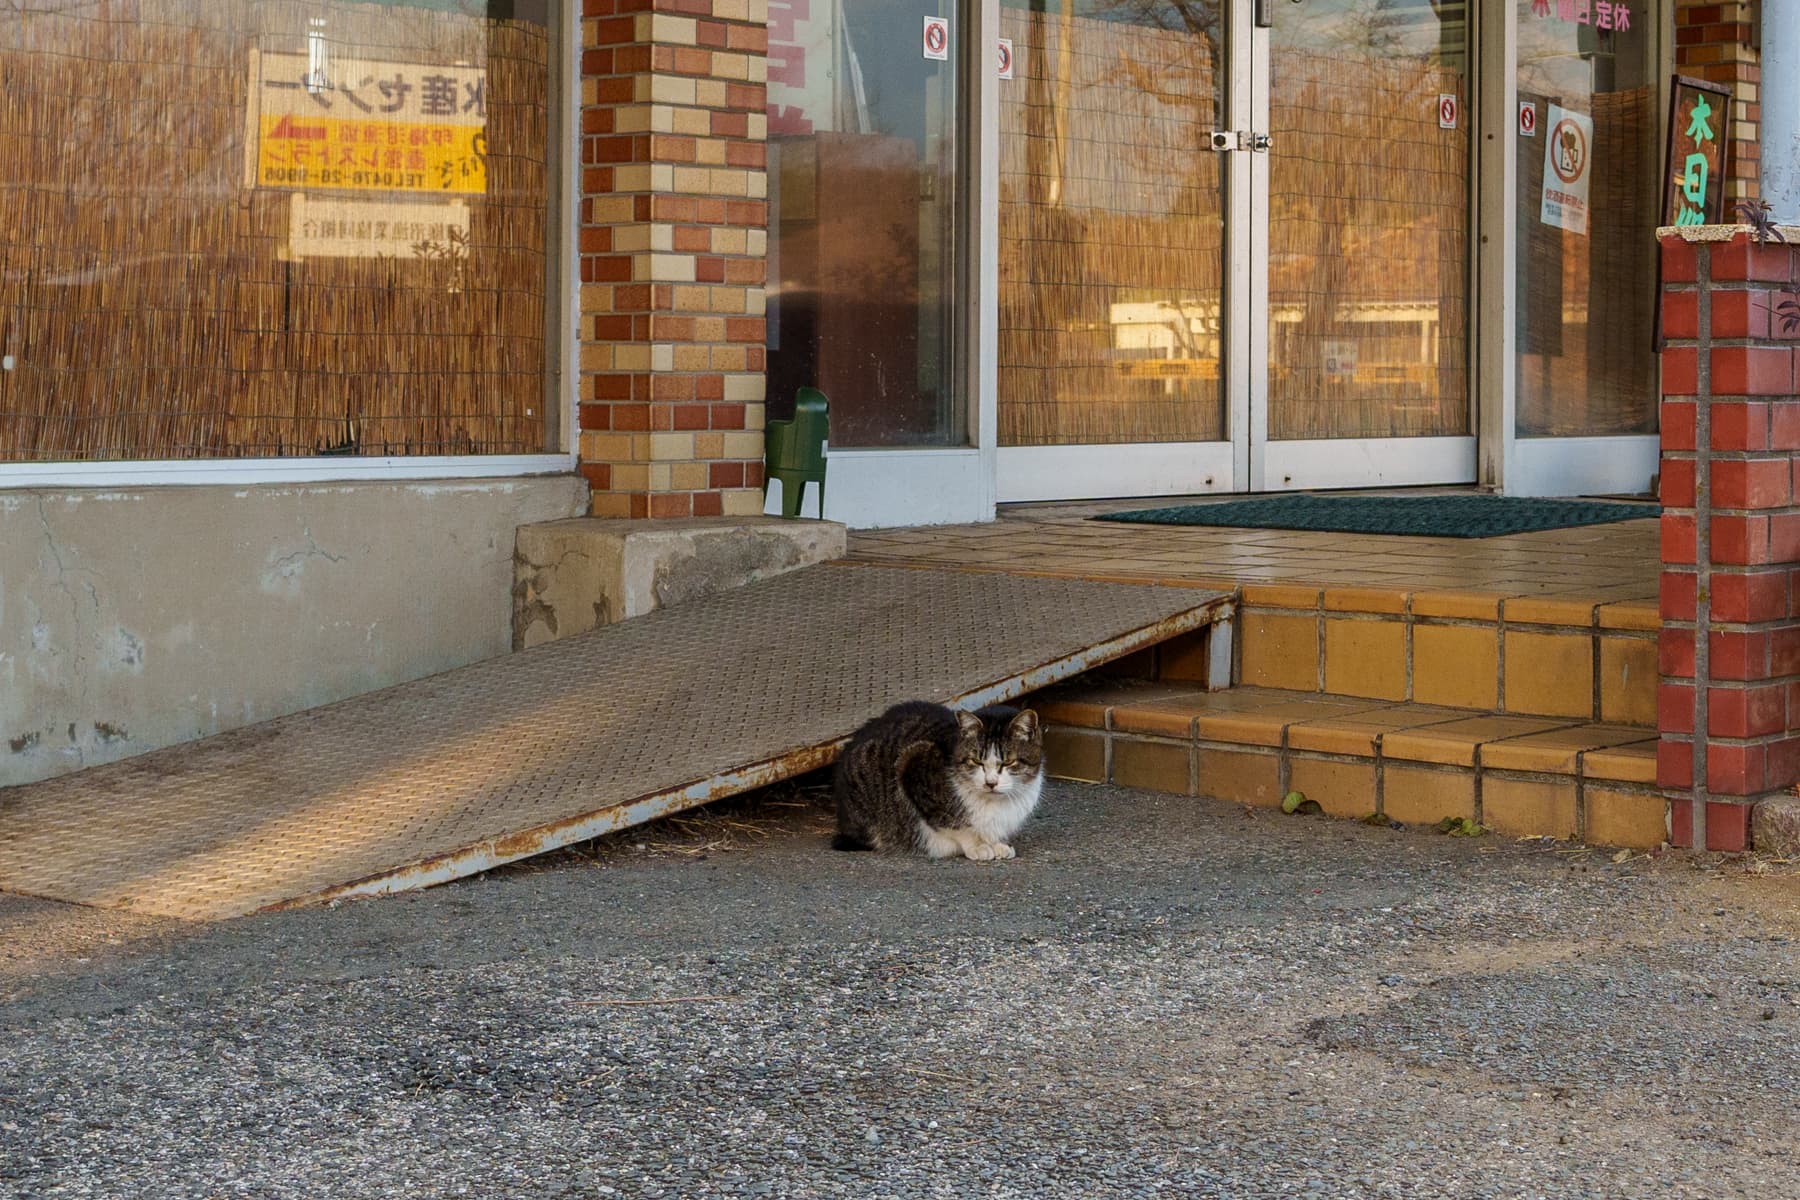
x=134 y=618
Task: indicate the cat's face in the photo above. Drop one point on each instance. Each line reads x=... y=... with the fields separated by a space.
x=999 y=752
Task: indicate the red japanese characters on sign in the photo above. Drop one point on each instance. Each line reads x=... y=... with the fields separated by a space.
x=1612 y=15
x=365 y=125
x=791 y=33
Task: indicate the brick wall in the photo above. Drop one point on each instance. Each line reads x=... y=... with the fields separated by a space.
x=673 y=255
x=1729 y=703
x=1715 y=42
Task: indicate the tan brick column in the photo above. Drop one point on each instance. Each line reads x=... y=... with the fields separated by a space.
x=673 y=251
x=1714 y=42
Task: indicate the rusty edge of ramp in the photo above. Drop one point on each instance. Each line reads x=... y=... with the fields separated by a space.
x=472 y=860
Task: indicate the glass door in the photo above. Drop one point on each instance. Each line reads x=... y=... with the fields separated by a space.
x=1586 y=209
x=1113 y=255
x=864 y=212
x=1234 y=246
x=875 y=204
x=1367 y=179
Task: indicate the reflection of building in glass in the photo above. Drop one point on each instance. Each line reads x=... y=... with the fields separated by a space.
x=863 y=210
x=1586 y=297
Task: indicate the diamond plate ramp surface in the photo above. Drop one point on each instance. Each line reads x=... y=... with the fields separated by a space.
x=448 y=775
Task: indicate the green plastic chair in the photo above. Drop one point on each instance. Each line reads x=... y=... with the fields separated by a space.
x=795 y=451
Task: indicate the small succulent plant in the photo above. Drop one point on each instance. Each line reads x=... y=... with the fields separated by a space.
x=1756 y=214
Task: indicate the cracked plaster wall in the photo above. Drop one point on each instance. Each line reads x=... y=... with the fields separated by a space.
x=136 y=618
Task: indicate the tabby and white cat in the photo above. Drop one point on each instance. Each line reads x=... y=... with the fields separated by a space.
x=925 y=777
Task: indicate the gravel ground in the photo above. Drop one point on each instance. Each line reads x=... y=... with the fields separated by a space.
x=1158 y=997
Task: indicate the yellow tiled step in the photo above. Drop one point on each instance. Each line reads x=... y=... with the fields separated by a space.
x=1556 y=656
x=1415 y=763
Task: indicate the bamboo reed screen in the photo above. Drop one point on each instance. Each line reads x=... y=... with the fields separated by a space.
x=1111 y=231
x=141 y=292
x=1368 y=247
x=1585 y=361
x=1110 y=234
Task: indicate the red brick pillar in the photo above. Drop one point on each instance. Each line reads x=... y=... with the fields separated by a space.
x=673 y=255
x=1729 y=706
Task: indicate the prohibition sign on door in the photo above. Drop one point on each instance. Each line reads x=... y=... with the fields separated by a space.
x=1527 y=119
x=1448 y=110
x=1006 y=58
x=937 y=38
x=1569 y=150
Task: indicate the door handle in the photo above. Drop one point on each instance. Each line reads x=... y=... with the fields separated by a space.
x=1225 y=140
x=1265 y=15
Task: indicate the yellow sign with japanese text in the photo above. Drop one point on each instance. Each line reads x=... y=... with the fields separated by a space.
x=1168 y=368
x=327 y=153
x=347 y=124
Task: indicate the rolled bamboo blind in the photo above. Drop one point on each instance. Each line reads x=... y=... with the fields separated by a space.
x=144 y=294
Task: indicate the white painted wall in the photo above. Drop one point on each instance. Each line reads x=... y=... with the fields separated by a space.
x=1781 y=108
x=137 y=617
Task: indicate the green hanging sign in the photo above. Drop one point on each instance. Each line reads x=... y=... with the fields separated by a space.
x=1694 y=166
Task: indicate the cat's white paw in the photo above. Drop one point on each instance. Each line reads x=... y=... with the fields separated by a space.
x=1002 y=850
x=982 y=852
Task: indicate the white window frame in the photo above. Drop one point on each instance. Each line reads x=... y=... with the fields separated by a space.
x=565 y=292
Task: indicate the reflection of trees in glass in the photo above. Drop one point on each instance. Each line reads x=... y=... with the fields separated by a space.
x=1111 y=220
x=1111 y=196
x=1194 y=17
x=1368 y=200
x=1186 y=76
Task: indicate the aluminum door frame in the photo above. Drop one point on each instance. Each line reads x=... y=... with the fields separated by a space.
x=1097 y=471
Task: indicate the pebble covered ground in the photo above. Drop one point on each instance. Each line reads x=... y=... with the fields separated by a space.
x=1159 y=997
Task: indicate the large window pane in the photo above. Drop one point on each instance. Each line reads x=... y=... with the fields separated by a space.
x=865 y=208
x=1587 y=265
x=1111 y=223
x=239 y=228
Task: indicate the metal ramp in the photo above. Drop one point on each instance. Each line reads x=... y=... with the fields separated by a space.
x=450 y=775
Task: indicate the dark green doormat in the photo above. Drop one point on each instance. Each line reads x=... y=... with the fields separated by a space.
x=1411 y=516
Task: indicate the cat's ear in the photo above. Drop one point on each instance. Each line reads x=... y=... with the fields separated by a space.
x=968 y=724
x=1025 y=726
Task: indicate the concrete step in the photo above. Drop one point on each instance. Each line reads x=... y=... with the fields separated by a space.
x=1580 y=658
x=1523 y=775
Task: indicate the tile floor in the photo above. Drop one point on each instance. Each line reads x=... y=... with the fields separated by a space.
x=1594 y=564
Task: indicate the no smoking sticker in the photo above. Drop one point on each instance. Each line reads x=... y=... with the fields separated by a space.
x=1006 y=59
x=937 y=38
x=1567 y=169
x=1449 y=110
x=1527 y=118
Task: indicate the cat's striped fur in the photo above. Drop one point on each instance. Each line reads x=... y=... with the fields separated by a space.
x=924 y=777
